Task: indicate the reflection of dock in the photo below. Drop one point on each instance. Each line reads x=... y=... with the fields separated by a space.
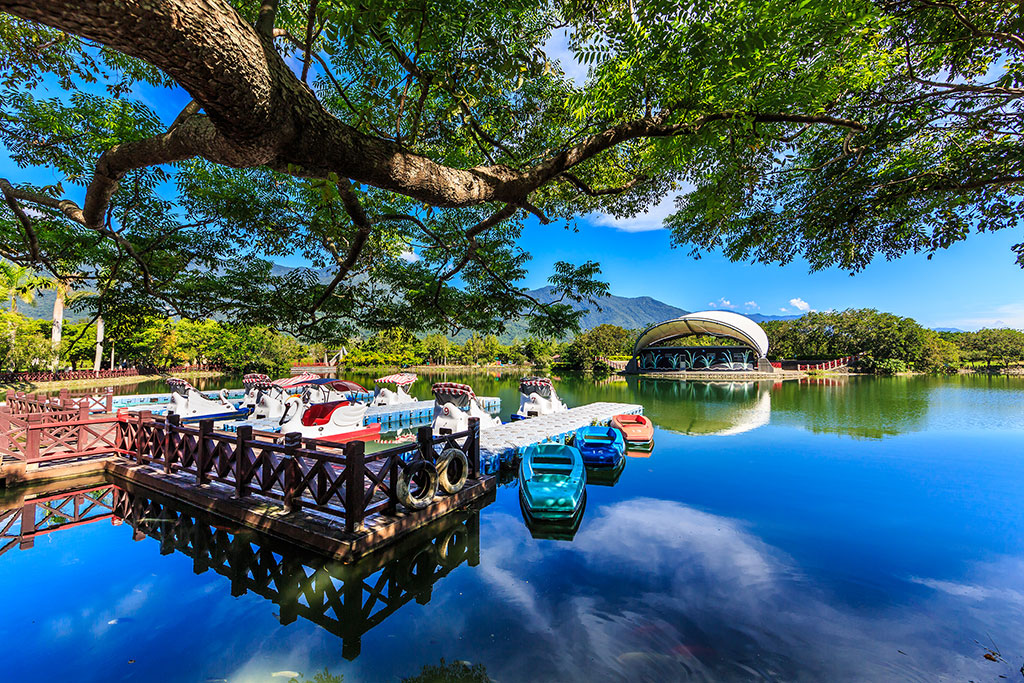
x=346 y=600
x=509 y=440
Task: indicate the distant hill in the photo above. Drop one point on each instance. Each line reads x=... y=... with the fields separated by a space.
x=947 y=329
x=628 y=312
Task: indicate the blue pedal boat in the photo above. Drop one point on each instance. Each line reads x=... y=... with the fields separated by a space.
x=552 y=481
x=600 y=446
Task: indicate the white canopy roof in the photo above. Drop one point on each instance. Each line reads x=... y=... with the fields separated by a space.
x=717 y=323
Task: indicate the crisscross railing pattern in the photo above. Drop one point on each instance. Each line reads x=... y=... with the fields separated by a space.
x=341 y=481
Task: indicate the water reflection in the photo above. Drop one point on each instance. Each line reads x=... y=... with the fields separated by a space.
x=346 y=600
x=654 y=590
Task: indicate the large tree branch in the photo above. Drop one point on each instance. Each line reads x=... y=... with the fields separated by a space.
x=258 y=113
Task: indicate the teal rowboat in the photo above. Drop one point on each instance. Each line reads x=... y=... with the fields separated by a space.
x=552 y=481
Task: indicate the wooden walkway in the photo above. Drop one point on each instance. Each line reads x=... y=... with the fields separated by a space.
x=337 y=500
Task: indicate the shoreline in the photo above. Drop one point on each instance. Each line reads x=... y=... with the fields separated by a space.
x=109 y=382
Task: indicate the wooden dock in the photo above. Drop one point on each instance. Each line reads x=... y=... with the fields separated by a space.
x=342 y=502
x=507 y=442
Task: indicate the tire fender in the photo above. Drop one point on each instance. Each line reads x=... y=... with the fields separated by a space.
x=452 y=459
x=404 y=485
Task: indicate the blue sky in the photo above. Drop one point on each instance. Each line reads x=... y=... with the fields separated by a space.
x=974 y=284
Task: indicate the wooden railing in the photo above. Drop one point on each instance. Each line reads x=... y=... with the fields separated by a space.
x=341 y=481
x=21 y=403
x=56 y=435
x=65 y=375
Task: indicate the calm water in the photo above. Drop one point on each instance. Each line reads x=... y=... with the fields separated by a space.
x=851 y=530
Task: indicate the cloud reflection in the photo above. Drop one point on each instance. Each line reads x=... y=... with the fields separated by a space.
x=655 y=590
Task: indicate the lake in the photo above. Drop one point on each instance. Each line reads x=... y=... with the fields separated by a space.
x=847 y=529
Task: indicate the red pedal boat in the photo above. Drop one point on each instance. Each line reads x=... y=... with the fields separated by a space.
x=636 y=429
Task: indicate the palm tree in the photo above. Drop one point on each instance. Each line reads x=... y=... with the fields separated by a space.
x=65 y=296
x=21 y=283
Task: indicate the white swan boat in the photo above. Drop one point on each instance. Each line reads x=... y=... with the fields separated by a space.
x=537 y=397
x=386 y=396
x=339 y=421
x=454 y=404
x=189 y=403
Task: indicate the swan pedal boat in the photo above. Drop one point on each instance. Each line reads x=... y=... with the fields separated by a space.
x=189 y=404
x=552 y=482
x=600 y=446
x=637 y=430
x=338 y=421
x=386 y=396
x=454 y=404
x=537 y=397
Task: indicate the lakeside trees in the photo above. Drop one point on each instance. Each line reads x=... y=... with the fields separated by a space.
x=400 y=146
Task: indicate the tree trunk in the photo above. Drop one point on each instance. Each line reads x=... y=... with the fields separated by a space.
x=57 y=332
x=99 y=345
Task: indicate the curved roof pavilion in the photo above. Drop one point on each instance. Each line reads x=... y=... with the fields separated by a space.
x=715 y=323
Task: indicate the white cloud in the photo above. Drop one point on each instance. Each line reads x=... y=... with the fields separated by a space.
x=752 y=305
x=651 y=219
x=721 y=303
x=409 y=255
x=784 y=310
x=799 y=304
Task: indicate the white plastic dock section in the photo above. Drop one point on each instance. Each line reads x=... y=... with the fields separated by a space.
x=398 y=416
x=416 y=413
x=508 y=441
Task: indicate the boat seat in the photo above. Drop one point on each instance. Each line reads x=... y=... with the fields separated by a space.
x=320 y=413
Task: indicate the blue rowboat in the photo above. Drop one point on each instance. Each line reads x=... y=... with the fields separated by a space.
x=552 y=481
x=600 y=446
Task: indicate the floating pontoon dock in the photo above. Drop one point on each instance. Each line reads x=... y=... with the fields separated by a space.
x=154 y=402
x=390 y=418
x=507 y=442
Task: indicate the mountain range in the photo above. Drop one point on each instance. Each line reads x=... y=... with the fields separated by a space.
x=629 y=312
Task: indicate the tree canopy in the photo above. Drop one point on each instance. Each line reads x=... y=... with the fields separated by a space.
x=399 y=146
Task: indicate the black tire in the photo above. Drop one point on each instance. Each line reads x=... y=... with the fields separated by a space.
x=452 y=459
x=416 y=471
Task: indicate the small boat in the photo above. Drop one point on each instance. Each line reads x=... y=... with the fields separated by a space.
x=600 y=446
x=552 y=481
x=386 y=396
x=537 y=397
x=339 y=421
x=454 y=404
x=324 y=390
x=636 y=429
x=189 y=404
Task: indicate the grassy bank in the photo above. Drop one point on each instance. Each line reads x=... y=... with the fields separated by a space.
x=441 y=369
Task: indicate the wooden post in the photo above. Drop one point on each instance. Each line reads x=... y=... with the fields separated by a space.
x=83 y=416
x=242 y=438
x=144 y=416
x=425 y=439
x=355 y=465
x=473 y=526
x=32 y=437
x=171 y=422
x=202 y=453
x=393 y=471
x=292 y=473
x=474 y=448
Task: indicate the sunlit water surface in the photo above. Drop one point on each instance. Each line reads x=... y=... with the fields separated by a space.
x=854 y=529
